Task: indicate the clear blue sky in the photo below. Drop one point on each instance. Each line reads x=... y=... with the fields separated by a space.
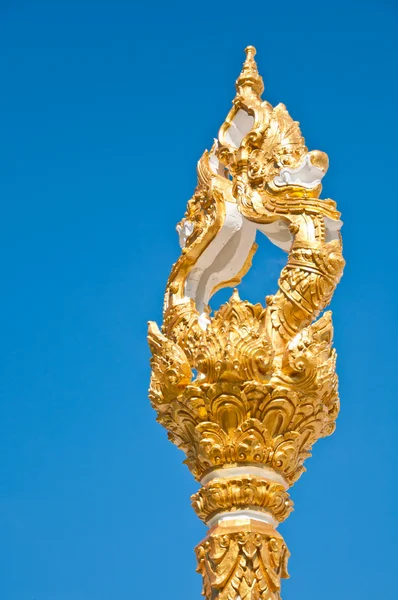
x=104 y=110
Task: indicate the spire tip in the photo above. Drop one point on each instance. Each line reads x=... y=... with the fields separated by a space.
x=250 y=50
x=249 y=75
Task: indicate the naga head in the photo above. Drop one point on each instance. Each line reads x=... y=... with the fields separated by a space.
x=251 y=384
x=259 y=175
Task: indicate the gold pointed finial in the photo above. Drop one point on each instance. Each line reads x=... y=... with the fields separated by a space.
x=250 y=75
x=235 y=295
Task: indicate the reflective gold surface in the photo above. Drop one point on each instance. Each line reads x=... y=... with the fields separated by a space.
x=244 y=559
x=242 y=492
x=257 y=386
x=252 y=404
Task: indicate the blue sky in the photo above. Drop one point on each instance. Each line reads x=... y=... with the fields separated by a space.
x=104 y=110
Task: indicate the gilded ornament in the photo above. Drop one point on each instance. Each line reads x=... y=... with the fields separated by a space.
x=246 y=391
x=243 y=492
x=244 y=560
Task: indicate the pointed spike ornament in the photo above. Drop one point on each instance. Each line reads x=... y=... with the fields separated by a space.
x=235 y=295
x=246 y=392
x=250 y=76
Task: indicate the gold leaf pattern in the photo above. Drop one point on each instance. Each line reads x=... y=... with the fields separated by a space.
x=257 y=387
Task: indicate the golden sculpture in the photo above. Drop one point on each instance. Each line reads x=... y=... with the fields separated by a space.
x=246 y=393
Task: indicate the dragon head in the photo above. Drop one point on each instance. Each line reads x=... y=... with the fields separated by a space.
x=259 y=175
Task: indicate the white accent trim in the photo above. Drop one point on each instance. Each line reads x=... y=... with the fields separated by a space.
x=333 y=227
x=240 y=126
x=223 y=258
x=265 y=472
x=184 y=231
x=278 y=233
x=263 y=516
x=306 y=175
x=214 y=163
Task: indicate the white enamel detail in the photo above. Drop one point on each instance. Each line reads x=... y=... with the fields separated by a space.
x=222 y=260
x=184 y=231
x=241 y=124
x=278 y=233
x=258 y=515
x=306 y=175
x=332 y=229
x=215 y=165
x=203 y=321
x=226 y=472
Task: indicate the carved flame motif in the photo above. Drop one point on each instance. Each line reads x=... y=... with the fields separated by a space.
x=250 y=387
x=231 y=494
x=243 y=564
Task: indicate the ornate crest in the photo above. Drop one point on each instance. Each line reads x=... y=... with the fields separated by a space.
x=247 y=391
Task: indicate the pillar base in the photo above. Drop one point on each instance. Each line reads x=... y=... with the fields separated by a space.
x=242 y=559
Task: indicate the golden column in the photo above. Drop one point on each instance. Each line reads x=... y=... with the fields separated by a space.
x=247 y=391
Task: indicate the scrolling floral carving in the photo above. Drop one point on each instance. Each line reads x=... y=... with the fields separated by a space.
x=251 y=386
x=245 y=492
x=245 y=561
